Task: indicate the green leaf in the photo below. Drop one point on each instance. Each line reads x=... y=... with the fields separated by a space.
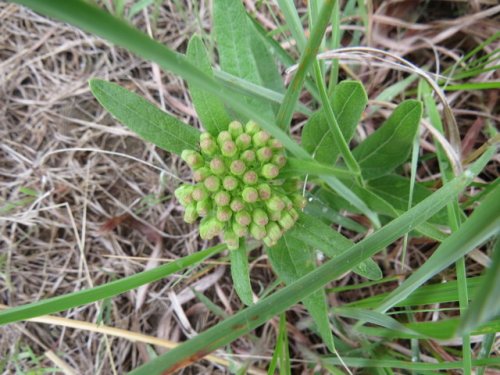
x=390 y=145
x=348 y=103
x=318 y=235
x=232 y=30
x=144 y=118
x=291 y=259
x=485 y=305
x=209 y=108
x=240 y=273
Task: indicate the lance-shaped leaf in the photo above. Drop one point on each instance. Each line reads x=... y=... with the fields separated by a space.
x=144 y=118
x=240 y=273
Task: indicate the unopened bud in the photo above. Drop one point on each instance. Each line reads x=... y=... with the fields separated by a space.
x=203 y=207
x=268 y=241
x=250 y=178
x=251 y=127
x=190 y=214
x=294 y=214
x=217 y=166
x=288 y=202
x=264 y=154
x=243 y=218
x=243 y=141
x=201 y=173
x=231 y=239
x=230 y=183
x=260 y=138
x=237 y=205
x=205 y=135
x=210 y=227
x=183 y=194
x=237 y=167
x=259 y=217
x=275 y=203
x=274 y=231
x=264 y=191
x=240 y=230
x=228 y=149
x=279 y=160
x=270 y=171
x=299 y=201
x=286 y=221
x=192 y=158
x=212 y=183
x=199 y=193
x=248 y=156
x=208 y=146
x=223 y=137
x=274 y=215
x=249 y=194
x=235 y=129
x=222 y=198
x=224 y=214
x=275 y=144
x=257 y=231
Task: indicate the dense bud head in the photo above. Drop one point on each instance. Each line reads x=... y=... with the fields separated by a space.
x=259 y=217
x=222 y=198
x=257 y=231
x=243 y=218
x=199 y=193
x=208 y=146
x=237 y=205
x=190 y=213
x=200 y=174
x=235 y=129
x=203 y=207
x=260 y=138
x=228 y=149
x=192 y=158
x=250 y=178
x=237 y=167
x=231 y=239
x=217 y=166
x=223 y=137
x=275 y=203
x=248 y=156
x=251 y=127
x=239 y=230
x=243 y=141
x=212 y=183
x=279 y=160
x=224 y=214
x=264 y=154
x=230 y=183
x=270 y=171
x=264 y=191
x=183 y=194
x=250 y=195
x=210 y=227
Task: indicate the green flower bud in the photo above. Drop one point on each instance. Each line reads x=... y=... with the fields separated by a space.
x=275 y=144
x=251 y=127
x=230 y=183
x=199 y=193
x=208 y=146
x=250 y=178
x=274 y=215
x=190 y=214
x=192 y=158
x=259 y=217
x=286 y=221
x=288 y=202
x=243 y=141
x=270 y=171
x=222 y=198
x=217 y=166
x=223 y=137
x=249 y=194
x=279 y=160
x=240 y=230
x=260 y=138
x=201 y=173
x=264 y=191
x=294 y=214
x=205 y=135
x=228 y=149
x=237 y=205
x=231 y=239
x=274 y=231
x=183 y=194
x=248 y=156
x=210 y=227
x=243 y=218
x=257 y=231
x=203 y=207
x=299 y=201
x=237 y=167
x=268 y=241
x=212 y=183
x=264 y=154
x=224 y=214
x=235 y=129
x=275 y=203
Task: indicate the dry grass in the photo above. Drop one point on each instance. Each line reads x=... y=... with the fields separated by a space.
x=91 y=216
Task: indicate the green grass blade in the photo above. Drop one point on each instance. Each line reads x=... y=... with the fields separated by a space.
x=240 y=273
x=68 y=301
x=254 y=316
x=293 y=22
x=300 y=167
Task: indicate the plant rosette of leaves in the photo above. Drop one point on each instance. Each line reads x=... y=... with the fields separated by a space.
x=237 y=189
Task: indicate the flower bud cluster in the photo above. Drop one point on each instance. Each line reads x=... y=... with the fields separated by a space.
x=237 y=190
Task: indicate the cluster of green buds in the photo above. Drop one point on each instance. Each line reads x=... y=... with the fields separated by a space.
x=237 y=190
